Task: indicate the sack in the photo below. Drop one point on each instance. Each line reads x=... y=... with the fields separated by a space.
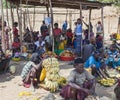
x=90 y=97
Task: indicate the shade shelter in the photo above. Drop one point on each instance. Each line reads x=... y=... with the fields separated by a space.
x=69 y=4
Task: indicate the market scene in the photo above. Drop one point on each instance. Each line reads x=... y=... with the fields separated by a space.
x=60 y=50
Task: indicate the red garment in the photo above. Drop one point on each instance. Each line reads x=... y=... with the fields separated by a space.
x=57 y=31
x=16 y=45
x=69 y=34
x=15 y=32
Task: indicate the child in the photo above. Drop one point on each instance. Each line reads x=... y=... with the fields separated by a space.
x=69 y=37
x=16 y=45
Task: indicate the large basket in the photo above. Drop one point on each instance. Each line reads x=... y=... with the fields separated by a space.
x=63 y=58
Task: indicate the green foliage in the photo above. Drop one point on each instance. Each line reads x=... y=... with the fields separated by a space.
x=115 y=2
x=8 y=4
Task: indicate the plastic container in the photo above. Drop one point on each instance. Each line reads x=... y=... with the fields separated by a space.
x=63 y=58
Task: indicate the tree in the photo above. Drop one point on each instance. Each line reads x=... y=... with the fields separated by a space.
x=115 y=2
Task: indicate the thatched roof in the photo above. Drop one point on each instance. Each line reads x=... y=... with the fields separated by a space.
x=71 y=4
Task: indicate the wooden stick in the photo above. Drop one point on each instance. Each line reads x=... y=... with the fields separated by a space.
x=51 y=11
x=12 y=17
x=89 y=24
x=3 y=35
x=10 y=34
x=102 y=19
x=19 y=23
x=34 y=18
x=81 y=19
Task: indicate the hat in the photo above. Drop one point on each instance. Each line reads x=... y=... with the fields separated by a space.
x=78 y=61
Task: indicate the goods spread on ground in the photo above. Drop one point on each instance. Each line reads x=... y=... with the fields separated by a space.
x=49 y=53
x=50 y=75
x=113 y=73
x=67 y=55
x=107 y=82
x=115 y=36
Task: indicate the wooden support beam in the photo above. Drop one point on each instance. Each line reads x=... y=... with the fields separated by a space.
x=51 y=11
x=102 y=19
x=3 y=35
x=89 y=24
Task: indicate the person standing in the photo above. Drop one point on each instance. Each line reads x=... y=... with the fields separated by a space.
x=57 y=33
x=6 y=30
x=15 y=30
x=78 y=33
x=43 y=29
x=64 y=26
x=99 y=27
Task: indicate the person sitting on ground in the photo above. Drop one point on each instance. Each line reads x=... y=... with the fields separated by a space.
x=16 y=45
x=80 y=83
x=88 y=50
x=99 y=42
x=48 y=42
x=29 y=71
x=113 y=59
x=94 y=63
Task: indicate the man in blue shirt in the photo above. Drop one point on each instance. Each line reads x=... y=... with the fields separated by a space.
x=64 y=26
x=78 y=33
x=94 y=63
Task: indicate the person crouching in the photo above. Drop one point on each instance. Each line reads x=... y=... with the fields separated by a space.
x=80 y=83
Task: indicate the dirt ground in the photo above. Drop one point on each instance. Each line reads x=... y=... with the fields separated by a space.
x=9 y=89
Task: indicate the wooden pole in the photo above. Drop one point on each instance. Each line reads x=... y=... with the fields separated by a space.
x=81 y=19
x=102 y=19
x=10 y=34
x=3 y=36
x=70 y=19
x=81 y=11
x=51 y=11
x=34 y=18
x=12 y=17
x=24 y=22
x=118 y=30
x=19 y=23
x=89 y=24
x=48 y=13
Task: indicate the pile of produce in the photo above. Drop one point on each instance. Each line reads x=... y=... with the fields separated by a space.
x=107 y=82
x=49 y=53
x=51 y=66
x=115 y=36
x=62 y=81
x=113 y=73
x=67 y=53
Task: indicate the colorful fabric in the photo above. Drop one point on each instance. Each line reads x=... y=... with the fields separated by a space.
x=78 y=44
x=113 y=60
x=78 y=78
x=67 y=91
x=91 y=61
x=15 y=32
x=16 y=45
x=57 y=32
x=26 y=69
x=78 y=29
